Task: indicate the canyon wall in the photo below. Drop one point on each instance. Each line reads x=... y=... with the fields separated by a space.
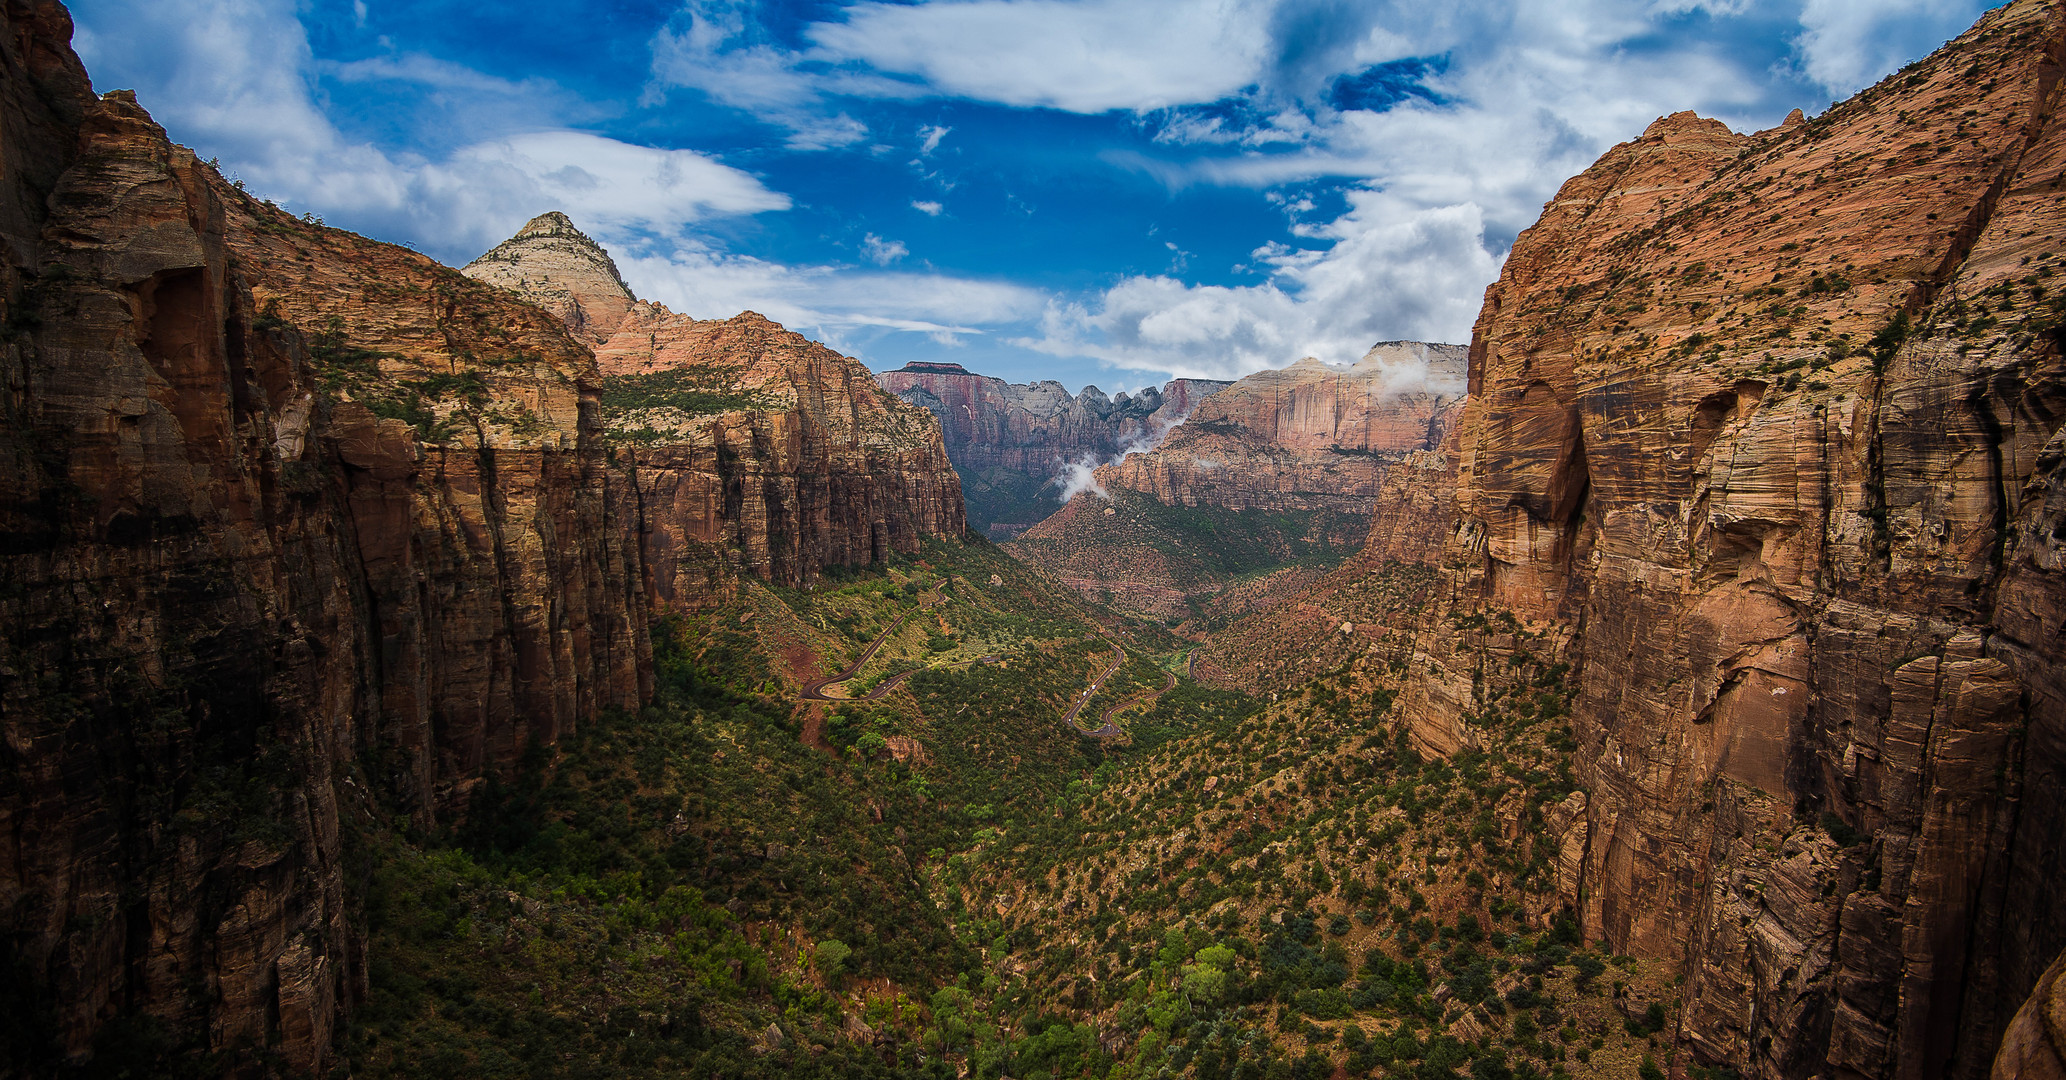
x=752 y=448
x=1311 y=436
x=1767 y=427
x=304 y=535
x=1011 y=440
x=1283 y=467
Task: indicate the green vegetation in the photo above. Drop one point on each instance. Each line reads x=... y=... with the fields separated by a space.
x=632 y=404
x=951 y=881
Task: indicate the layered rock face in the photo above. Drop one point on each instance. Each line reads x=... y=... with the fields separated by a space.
x=1772 y=423
x=305 y=532
x=752 y=449
x=1307 y=437
x=555 y=265
x=1283 y=466
x=296 y=525
x=1011 y=440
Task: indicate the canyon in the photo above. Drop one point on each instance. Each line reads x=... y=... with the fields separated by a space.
x=1704 y=617
x=1762 y=440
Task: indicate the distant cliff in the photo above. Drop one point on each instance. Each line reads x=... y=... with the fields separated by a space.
x=1308 y=437
x=1283 y=467
x=1010 y=441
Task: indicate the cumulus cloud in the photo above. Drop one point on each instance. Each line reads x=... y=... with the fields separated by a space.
x=927 y=207
x=840 y=303
x=236 y=79
x=1388 y=272
x=1086 y=56
x=1846 y=45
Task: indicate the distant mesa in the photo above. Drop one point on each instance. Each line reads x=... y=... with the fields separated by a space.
x=929 y=367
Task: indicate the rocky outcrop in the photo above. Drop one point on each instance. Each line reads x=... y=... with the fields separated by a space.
x=1768 y=426
x=555 y=265
x=1011 y=440
x=2034 y=1046
x=1311 y=436
x=751 y=449
x=305 y=535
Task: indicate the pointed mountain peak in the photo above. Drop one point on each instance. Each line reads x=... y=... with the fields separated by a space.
x=552 y=223
x=555 y=265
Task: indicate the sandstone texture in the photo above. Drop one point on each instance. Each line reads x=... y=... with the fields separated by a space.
x=2034 y=1047
x=1011 y=440
x=296 y=525
x=304 y=531
x=1311 y=436
x=1767 y=426
x=555 y=265
x=1282 y=467
x=751 y=448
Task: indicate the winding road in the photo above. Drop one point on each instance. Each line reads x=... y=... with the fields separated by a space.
x=815 y=691
x=1107 y=728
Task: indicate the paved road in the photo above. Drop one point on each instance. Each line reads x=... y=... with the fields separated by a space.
x=1082 y=699
x=814 y=691
x=1109 y=729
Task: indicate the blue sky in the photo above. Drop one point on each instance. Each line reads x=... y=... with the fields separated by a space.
x=1096 y=191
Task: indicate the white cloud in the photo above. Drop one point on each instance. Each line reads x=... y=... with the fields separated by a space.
x=927 y=207
x=883 y=252
x=930 y=136
x=1847 y=45
x=1390 y=272
x=1087 y=56
x=236 y=80
x=834 y=302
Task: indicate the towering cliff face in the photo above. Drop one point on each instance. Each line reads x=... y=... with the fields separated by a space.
x=1011 y=440
x=305 y=532
x=752 y=449
x=1772 y=423
x=296 y=524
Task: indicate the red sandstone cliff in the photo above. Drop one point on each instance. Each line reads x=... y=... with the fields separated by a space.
x=1010 y=441
x=1283 y=466
x=1766 y=427
x=295 y=523
x=1307 y=437
x=752 y=448
x=301 y=529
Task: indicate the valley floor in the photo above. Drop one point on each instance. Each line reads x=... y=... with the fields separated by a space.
x=944 y=876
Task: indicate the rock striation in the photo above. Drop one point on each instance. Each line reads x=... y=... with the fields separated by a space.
x=752 y=449
x=1010 y=441
x=1283 y=466
x=1311 y=436
x=555 y=265
x=295 y=523
x=1767 y=429
x=304 y=532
